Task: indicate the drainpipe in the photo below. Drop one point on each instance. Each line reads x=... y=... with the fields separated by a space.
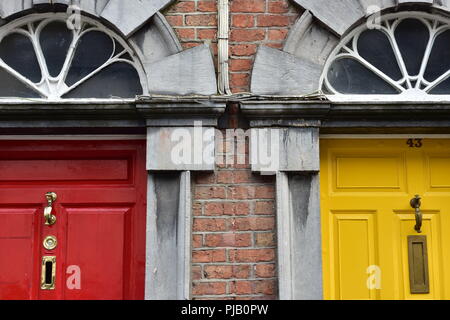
x=223 y=55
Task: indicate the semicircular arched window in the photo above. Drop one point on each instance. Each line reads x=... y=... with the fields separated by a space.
x=42 y=58
x=406 y=56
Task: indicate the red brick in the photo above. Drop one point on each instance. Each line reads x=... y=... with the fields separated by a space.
x=185 y=33
x=276 y=45
x=265 y=270
x=209 y=288
x=214 y=209
x=201 y=20
x=197 y=241
x=265 y=192
x=242 y=21
x=218 y=272
x=175 y=20
x=207 y=34
x=207 y=6
x=241 y=287
x=236 y=208
x=182 y=6
x=228 y=240
x=252 y=6
x=197 y=209
x=278 y=6
x=277 y=34
x=272 y=20
x=243 y=49
x=239 y=79
x=247 y=35
x=267 y=287
x=210 y=224
x=265 y=207
x=253 y=224
x=205 y=178
x=207 y=193
x=266 y=239
x=206 y=256
x=241 y=192
x=196 y=272
x=252 y=255
x=241 y=64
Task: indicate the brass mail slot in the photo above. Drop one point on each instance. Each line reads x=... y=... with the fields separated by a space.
x=418 y=265
x=48 y=275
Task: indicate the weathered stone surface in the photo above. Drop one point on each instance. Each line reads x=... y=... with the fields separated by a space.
x=128 y=16
x=306 y=249
x=308 y=33
x=167 y=275
x=285 y=149
x=337 y=15
x=277 y=72
x=189 y=72
x=299 y=236
x=10 y=7
x=93 y=7
x=180 y=149
x=155 y=41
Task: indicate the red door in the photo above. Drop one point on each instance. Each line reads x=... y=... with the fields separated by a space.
x=99 y=231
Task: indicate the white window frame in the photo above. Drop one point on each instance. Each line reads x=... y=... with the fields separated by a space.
x=53 y=88
x=436 y=25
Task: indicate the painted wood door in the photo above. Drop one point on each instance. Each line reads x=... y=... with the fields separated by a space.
x=100 y=219
x=366 y=188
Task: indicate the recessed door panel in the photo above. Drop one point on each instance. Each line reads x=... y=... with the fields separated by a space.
x=96 y=247
x=17 y=232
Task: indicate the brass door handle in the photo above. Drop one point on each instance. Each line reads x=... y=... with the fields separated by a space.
x=50 y=218
x=415 y=204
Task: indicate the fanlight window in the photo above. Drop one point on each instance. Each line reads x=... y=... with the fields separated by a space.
x=406 y=55
x=43 y=58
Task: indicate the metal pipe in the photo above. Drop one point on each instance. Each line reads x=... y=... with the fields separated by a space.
x=223 y=54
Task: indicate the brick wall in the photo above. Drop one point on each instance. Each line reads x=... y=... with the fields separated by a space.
x=234 y=238
x=253 y=22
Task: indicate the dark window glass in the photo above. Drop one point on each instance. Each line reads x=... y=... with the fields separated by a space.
x=17 y=51
x=11 y=87
x=412 y=38
x=348 y=76
x=442 y=88
x=439 y=61
x=119 y=80
x=93 y=50
x=55 y=41
x=375 y=47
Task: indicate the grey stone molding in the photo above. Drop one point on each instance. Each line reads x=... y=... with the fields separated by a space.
x=169 y=223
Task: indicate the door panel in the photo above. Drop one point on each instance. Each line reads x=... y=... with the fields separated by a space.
x=366 y=188
x=17 y=233
x=100 y=218
x=96 y=244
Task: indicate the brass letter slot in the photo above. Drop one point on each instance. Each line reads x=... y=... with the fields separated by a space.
x=418 y=264
x=48 y=275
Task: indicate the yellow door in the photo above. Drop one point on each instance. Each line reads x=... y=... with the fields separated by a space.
x=366 y=188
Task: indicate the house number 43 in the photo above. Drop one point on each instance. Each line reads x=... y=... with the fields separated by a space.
x=415 y=143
